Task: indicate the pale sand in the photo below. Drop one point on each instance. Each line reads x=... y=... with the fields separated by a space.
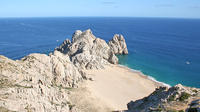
x=113 y=87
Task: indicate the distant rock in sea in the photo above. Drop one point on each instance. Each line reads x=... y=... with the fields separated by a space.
x=88 y=52
x=118 y=45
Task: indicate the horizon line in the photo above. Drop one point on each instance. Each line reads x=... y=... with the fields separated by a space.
x=99 y=17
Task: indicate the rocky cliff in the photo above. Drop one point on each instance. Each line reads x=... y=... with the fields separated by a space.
x=175 y=99
x=37 y=83
x=88 y=52
x=41 y=83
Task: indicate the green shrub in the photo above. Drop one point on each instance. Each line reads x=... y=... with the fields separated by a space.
x=194 y=90
x=171 y=98
x=184 y=96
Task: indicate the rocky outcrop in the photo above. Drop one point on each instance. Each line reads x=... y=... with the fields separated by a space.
x=41 y=83
x=37 y=83
x=118 y=45
x=163 y=99
x=34 y=98
x=88 y=51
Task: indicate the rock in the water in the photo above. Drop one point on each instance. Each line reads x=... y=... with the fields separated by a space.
x=89 y=52
x=118 y=45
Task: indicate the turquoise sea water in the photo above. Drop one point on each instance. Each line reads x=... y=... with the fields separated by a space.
x=165 y=49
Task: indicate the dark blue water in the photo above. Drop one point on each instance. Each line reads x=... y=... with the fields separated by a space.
x=166 y=49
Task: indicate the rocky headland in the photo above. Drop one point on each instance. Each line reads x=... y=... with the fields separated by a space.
x=55 y=82
x=175 y=99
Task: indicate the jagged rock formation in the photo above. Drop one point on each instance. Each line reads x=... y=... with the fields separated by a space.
x=118 y=45
x=37 y=83
x=41 y=83
x=87 y=51
x=163 y=99
x=55 y=69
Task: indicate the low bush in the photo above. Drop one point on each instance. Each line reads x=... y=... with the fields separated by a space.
x=184 y=96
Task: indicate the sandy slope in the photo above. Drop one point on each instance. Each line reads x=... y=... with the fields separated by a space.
x=114 y=87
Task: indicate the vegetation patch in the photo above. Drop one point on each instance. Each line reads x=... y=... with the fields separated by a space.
x=158 y=109
x=66 y=88
x=195 y=91
x=71 y=106
x=4 y=83
x=2 y=109
x=20 y=86
x=172 y=97
x=184 y=96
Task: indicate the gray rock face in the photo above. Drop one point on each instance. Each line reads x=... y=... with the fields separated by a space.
x=165 y=99
x=36 y=98
x=37 y=83
x=118 y=45
x=65 y=73
x=89 y=52
x=63 y=47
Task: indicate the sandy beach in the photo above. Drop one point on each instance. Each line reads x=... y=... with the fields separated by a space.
x=112 y=88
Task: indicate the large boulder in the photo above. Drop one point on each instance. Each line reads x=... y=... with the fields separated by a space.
x=118 y=45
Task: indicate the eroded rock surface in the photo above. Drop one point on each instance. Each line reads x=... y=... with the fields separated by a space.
x=37 y=83
x=90 y=52
x=163 y=99
x=118 y=45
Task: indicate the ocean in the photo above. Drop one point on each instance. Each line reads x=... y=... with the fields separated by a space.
x=163 y=48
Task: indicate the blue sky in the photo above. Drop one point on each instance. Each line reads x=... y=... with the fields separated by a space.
x=122 y=8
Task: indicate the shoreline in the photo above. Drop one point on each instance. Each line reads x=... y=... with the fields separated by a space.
x=144 y=75
x=117 y=85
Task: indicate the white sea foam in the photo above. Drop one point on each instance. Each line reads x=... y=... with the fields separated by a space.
x=153 y=79
x=149 y=77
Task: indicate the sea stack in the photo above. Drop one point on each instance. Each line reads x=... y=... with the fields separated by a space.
x=118 y=44
x=88 y=52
